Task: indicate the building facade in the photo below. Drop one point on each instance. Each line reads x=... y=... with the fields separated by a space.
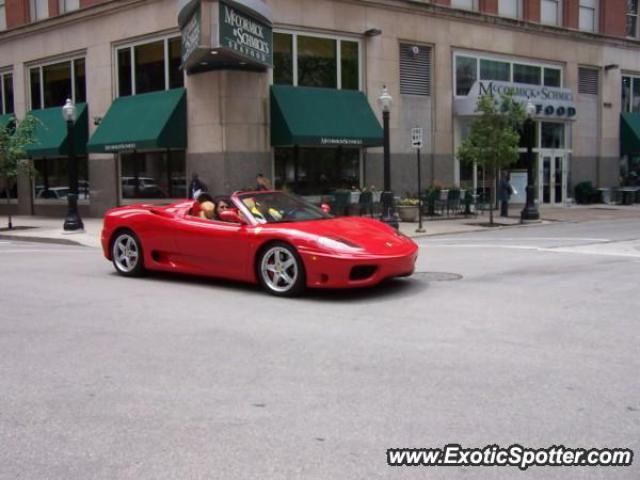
x=290 y=88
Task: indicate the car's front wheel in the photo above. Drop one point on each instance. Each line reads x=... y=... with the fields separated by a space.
x=280 y=270
x=126 y=252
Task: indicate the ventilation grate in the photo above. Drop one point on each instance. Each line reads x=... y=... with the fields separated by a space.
x=588 y=79
x=415 y=69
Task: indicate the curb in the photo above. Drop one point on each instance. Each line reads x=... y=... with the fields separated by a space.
x=58 y=241
x=491 y=229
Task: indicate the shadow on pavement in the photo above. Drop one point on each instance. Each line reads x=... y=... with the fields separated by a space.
x=388 y=290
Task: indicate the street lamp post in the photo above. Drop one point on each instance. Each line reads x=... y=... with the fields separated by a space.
x=388 y=210
x=73 y=222
x=530 y=210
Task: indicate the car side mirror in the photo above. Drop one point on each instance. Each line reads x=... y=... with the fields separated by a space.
x=231 y=215
x=325 y=207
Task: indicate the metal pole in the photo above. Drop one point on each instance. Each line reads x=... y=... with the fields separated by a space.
x=420 y=229
x=73 y=221
x=530 y=211
x=388 y=213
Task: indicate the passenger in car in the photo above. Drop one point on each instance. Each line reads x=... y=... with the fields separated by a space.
x=207 y=210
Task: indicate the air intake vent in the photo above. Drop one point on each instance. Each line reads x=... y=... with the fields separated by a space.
x=588 y=79
x=415 y=69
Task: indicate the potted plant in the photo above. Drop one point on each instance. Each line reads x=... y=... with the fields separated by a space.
x=408 y=209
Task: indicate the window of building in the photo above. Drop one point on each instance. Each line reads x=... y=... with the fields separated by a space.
x=551 y=12
x=53 y=83
x=632 y=18
x=552 y=77
x=510 y=8
x=631 y=94
x=495 y=70
x=468 y=69
x=39 y=9
x=149 y=66
x=466 y=74
x=529 y=74
x=6 y=93
x=3 y=15
x=588 y=20
x=465 y=4
x=317 y=171
x=51 y=179
x=316 y=61
x=69 y=5
x=153 y=175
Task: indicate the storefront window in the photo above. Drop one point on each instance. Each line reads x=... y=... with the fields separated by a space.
x=528 y=74
x=12 y=190
x=466 y=74
x=349 y=65
x=149 y=67
x=52 y=84
x=282 y=59
x=317 y=62
x=630 y=94
x=51 y=178
x=494 y=70
x=153 y=175
x=552 y=77
x=317 y=171
x=552 y=135
x=6 y=87
x=156 y=66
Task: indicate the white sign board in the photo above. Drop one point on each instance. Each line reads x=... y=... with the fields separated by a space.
x=416 y=137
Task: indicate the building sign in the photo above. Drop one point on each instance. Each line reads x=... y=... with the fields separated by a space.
x=191 y=34
x=550 y=102
x=244 y=35
x=353 y=142
x=225 y=34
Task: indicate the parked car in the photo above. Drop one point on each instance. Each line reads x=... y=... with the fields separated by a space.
x=278 y=240
x=147 y=187
x=53 y=193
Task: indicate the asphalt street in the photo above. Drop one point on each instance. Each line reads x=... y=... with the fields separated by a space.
x=519 y=335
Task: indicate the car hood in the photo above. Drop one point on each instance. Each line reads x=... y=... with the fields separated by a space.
x=373 y=236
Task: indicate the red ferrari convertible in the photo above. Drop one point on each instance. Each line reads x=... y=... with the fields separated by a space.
x=272 y=238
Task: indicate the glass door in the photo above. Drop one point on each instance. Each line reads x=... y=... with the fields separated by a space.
x=552 y=177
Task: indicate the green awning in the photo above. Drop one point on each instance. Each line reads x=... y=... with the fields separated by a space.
x=149 y=121
x=630 y=134
x=6 y=119
x=51 y=132
x=322 y=116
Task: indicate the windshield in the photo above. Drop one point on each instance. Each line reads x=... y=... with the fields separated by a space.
x=278 y=207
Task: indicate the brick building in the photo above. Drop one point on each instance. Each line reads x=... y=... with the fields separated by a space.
x=290 y=87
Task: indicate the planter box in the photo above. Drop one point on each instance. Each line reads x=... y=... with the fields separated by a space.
x=408 y=213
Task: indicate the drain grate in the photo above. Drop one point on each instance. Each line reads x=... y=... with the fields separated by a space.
x=437 y=276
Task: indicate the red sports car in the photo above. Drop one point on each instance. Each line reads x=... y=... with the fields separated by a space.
x=274 y=238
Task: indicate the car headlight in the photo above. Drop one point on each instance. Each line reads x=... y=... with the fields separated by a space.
x=338 y=244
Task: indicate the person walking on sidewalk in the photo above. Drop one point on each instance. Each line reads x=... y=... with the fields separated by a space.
x=196 y=186
x=505 y=190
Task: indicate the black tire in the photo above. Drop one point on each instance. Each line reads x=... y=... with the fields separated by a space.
x=126 y=254
x=284 y=277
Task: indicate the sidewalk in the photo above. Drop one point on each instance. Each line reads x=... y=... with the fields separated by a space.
x=47 y=229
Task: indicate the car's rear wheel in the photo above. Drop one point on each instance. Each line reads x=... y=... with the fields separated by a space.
x=126 y=252
x=280 y=270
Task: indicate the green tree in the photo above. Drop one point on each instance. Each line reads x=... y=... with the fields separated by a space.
x=493 y=140
x=14 y=136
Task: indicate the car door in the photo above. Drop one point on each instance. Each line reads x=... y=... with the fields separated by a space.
x=213 y=248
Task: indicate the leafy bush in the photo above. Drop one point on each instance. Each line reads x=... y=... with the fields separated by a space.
x=585 y=193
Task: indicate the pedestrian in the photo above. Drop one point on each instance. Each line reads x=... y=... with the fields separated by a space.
x=505 y=190
x=262 y=183
x=197 y=186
